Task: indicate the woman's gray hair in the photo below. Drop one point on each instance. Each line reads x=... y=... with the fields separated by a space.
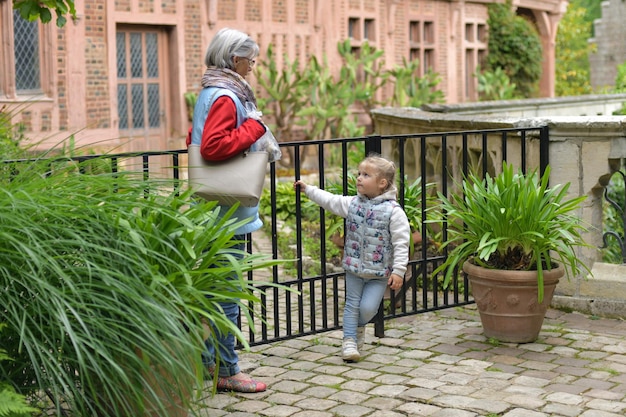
x=228 y=43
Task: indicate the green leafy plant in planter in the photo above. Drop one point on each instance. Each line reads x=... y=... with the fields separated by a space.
x=512 y=223
x=108 y=282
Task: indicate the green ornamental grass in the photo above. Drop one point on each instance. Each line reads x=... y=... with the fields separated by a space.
x=108 y=284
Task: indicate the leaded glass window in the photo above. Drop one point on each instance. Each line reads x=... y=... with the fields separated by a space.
x=27 y=65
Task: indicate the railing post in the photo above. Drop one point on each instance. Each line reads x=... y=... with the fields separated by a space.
x=544 y=149
x=379 y=321
x=373 y=144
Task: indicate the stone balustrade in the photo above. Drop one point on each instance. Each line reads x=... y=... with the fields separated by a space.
x=586 y=148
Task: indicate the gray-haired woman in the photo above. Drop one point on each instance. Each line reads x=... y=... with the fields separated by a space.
x=222 y=128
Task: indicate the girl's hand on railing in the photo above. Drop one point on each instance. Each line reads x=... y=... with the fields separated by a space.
x=299 y=185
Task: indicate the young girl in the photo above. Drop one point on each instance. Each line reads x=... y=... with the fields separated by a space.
x=376 y=250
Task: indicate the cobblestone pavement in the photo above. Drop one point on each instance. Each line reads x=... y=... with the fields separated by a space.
x=439 y=364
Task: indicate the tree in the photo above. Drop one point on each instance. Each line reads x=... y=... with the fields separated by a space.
x=572 y=53
x=593 y=10
x=32 y=10
x=514 y=45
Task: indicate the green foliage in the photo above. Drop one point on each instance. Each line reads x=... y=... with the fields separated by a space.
x=512 y=221
x=11 y=136
x=322 y=104
x=311 y=97
x=330 y=100
x=593 y=10
x=11 y=403
x=311 y=103
x=285 y=93
x=190 y=102
x=620 y=87
x=412 y=91
x=572 y=53
x=620 y=79
x=612 y=220
x=363 y=72
x=104 y=276
x=514 y=46
x=285 y=207
x=32 y=10
x=495 y=85
x=413 y=203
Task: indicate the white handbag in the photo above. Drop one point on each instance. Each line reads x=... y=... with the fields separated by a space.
x=238 y=179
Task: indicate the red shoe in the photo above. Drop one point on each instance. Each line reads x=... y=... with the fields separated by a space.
x=240 y=385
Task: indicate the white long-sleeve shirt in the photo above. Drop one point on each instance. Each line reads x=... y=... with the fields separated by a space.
x=399 y=228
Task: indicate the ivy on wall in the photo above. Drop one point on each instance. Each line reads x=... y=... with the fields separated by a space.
x=515 y=46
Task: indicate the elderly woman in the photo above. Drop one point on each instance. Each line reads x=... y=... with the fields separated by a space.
x=222 y=129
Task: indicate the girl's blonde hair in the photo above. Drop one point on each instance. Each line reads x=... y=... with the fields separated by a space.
x=384 y=167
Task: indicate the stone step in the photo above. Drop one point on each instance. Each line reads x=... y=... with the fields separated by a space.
x=602 y=294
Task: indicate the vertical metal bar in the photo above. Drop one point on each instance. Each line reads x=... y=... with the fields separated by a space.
x=176 y=170
x=296 y=153
x=465 y=172
x=146 y=171
x=485 y=153
x=424 y=277
x=274 y=239
x=320 y=162
x=544 y=148
x=373 y=144
x=523 y=151
x=504 y=146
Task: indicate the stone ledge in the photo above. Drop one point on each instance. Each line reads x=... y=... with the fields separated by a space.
x=603 y=295
x=609 y=308
x=608 y=282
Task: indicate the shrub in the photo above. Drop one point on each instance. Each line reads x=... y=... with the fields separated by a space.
x=514 y=46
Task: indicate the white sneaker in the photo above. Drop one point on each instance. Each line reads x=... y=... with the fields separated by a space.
x=350 y=352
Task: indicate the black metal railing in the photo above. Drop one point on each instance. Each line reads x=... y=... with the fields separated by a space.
x=422 y=292
x=618 y=204
x=440 y=160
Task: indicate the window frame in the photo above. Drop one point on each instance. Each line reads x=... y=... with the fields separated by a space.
x=474 y=53
x=422 y=42
x=8 y=87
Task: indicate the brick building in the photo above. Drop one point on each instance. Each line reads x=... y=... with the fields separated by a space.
x=610 y=39
x=116 y=77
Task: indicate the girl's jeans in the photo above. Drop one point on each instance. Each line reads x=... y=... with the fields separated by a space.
x=363 y=297
x=229 y=360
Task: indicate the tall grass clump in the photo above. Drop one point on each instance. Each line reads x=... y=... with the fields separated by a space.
x=109 y=284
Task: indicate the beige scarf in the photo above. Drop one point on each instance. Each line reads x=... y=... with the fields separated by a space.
x=225 y=78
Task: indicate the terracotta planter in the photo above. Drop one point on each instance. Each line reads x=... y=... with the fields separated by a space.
x=507 y=301
x=174 y=391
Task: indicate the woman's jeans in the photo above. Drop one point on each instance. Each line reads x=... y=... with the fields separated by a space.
x=229 y=360
x=363 y=297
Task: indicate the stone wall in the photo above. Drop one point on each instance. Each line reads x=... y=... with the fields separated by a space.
x=610 y=36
